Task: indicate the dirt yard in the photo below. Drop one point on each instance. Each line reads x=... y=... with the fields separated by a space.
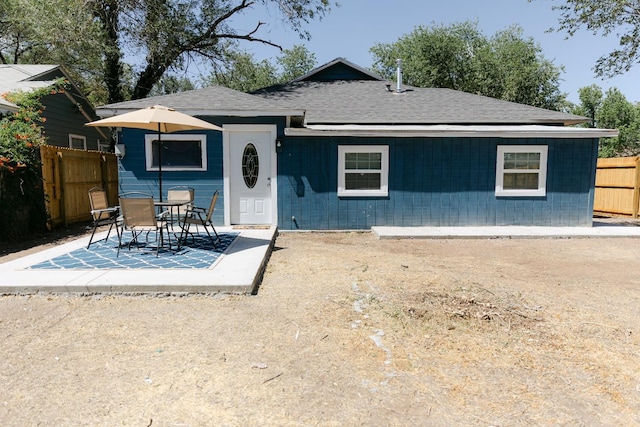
x=346 y=330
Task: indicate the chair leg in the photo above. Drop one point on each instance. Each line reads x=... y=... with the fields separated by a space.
x=184 y=232
x=214 y=230
x=95 y=225
x=120 y=234
x=213 y=241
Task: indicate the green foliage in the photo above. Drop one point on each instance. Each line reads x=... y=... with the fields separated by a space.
x=55 y=32
x=620 y=18
x=611 y=111
x=171 y=84
x=21 y=194
x=242 y=72
x=95 y=39
x=590 y=101
x=505 y=66
x=615 y=112
x=295 y=62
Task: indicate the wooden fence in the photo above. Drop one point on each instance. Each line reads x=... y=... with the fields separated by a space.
x=68 y=175
x=617 y=190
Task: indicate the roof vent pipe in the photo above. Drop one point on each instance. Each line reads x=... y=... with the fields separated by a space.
x=399 y=75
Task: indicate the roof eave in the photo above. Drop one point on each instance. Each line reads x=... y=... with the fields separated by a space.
x=109 y=112
x=440 y=131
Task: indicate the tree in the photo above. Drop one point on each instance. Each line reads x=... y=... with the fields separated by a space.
x=615 y=112
x=506 y=66
x=242 y=72
x=54 y=32
x=590 y=101
x=621 y=17
x=611 y=111
x=295 y=62
x=171 y=84
x=171 y=33
x=159 y=36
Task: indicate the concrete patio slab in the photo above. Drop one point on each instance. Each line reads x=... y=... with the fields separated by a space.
x=601 y=228
x=238 y=270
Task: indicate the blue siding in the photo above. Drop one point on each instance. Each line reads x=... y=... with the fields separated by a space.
x=434 y=182
x=133 y=175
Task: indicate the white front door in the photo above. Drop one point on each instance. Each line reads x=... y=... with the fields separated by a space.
x=249 y=172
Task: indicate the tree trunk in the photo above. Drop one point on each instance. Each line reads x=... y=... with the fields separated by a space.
x=107 y=13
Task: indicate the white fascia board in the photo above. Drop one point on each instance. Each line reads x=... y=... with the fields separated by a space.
x=439 y=131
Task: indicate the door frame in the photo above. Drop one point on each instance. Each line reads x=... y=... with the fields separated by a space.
x=226 y=166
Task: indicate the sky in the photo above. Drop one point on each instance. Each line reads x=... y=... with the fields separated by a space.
x=349 y=31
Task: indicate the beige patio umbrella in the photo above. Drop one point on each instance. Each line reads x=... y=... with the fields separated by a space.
x=157 y=118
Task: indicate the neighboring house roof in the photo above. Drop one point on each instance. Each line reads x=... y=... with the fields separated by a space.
x=14 y=77
x=371 y=100
x=26 y=77
x=211 y=101
x=23 y=77
x=7 y=107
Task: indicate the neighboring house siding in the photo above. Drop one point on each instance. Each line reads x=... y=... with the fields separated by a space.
x=432 y=182
x=64 y=118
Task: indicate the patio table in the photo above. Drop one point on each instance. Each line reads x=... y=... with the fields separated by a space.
x=170 y=205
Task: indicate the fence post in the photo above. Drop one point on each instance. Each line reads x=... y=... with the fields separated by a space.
x=636 y=188
x=63 y=197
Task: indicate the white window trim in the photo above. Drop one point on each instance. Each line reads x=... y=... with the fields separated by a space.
x=149 y=138
x=542 y=172
x=73 y=136
x=103 y=146
x=384 y=171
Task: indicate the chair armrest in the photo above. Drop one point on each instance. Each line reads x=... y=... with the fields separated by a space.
x=163 y=214
x=196 y=209
x=105 y=210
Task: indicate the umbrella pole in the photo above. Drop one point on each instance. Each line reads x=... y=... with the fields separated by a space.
x=160 y=161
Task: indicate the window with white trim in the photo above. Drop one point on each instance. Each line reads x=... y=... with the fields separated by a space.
x=363 y=170
x=77 y=141
x=103 y=146
x=179 y=152
x=521 y=170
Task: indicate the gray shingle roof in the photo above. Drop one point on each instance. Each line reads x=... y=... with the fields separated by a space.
x=358 y=100
x=213 y=100
x=369 y=102
x=22 y=77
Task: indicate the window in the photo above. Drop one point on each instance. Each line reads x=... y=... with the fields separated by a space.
x=77 y=141
x=363 y=170
x=521 y=170
x=179 y=152
x=103 y=145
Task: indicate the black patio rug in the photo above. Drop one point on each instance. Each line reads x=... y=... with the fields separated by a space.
x=199 y=252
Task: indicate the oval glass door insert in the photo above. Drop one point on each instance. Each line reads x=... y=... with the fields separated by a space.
x=250 y=165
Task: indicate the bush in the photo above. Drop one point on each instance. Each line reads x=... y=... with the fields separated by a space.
x=22 y=207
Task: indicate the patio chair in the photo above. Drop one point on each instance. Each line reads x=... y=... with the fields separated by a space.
x=200 y=217
x=180 y=193
x=139 y=216
x=102 y=213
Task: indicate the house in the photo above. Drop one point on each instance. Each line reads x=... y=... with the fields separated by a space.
x=65 y=112
x=341 y=148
